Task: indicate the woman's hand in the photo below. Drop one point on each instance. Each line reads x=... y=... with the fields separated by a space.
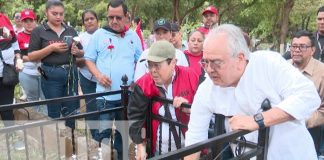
x=76 y=51
x=59 y=47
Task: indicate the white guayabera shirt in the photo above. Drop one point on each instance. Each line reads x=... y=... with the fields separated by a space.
x=267 y=75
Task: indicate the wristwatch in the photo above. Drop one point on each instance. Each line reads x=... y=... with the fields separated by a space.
x=259 y=120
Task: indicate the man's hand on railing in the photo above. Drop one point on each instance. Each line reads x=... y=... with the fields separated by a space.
x=177 y=101
x=140 y=151
x=243 y=122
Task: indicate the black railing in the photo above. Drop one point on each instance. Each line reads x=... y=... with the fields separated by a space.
x=216 y=144
x=9 y=130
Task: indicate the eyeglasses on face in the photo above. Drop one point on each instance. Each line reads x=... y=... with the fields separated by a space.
x=17 y=17
x=111 y=18
x=156 y=65
x=215 y=64
x=320 y=18
x=302 y=47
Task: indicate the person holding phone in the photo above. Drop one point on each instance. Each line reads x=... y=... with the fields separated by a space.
x=59 y=72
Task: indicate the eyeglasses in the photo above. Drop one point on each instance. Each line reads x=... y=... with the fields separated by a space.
x=320 y=19
x=156 y=65
x=151 y=65
x=17 y=17
x=111 y=18
x=215 y=64
x=302 y=47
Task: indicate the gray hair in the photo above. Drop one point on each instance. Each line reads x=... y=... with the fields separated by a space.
x=235 y=39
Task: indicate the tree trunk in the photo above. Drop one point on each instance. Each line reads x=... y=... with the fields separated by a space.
x=176 y=16
x=288 y=5
x=180 y=20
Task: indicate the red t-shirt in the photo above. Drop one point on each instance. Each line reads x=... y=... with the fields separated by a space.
x=23 y=41
x=194 y=61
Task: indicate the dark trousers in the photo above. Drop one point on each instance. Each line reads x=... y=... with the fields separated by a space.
x=61 y=83
x=6 y=97
x=316 y=134
x=105 y=124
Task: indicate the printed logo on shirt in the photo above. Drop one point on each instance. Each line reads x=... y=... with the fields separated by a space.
x=51 y=42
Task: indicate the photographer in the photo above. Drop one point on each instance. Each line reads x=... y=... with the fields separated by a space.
x=9 y=46
x=51 y=43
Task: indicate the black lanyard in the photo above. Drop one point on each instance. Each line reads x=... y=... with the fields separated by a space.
x=319 y=46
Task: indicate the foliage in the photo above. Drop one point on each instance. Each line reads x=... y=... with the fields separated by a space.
x=260 y=18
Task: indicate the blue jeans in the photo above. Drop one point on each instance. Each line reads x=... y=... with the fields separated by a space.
x=105 y=127
x=60 y=83
x=87 y=87
x=32 y=86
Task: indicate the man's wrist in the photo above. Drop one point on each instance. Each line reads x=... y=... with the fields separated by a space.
x=258 y=118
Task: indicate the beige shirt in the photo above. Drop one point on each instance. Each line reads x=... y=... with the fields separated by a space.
x=315 y=72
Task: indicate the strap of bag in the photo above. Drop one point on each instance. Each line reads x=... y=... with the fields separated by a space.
x=168 y=115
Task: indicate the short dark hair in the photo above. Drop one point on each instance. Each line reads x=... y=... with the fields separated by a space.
x=137 y=20
x=304 y=33
x=51 y=3
x=321 y=9
x=117 y=3
x=89 y=11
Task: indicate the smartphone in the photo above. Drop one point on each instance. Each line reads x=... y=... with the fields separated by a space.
x=68 y=40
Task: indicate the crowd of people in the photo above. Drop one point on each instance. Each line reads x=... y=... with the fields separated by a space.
x=214 y=69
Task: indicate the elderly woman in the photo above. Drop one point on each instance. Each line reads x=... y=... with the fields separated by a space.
x=167 y=80
x=195 y=53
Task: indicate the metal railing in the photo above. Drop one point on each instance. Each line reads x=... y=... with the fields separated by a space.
x=216 y=144
x=42 y=123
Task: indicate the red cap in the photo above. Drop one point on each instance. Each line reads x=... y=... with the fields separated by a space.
x=211 y=9
x=28 y=14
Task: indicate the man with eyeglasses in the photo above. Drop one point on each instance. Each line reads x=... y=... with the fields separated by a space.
x=162 y=31
x=164 y=79
x=237 y=84
x=302 y=50
x=319 y=38
x=111 y=53
x=210 y=19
